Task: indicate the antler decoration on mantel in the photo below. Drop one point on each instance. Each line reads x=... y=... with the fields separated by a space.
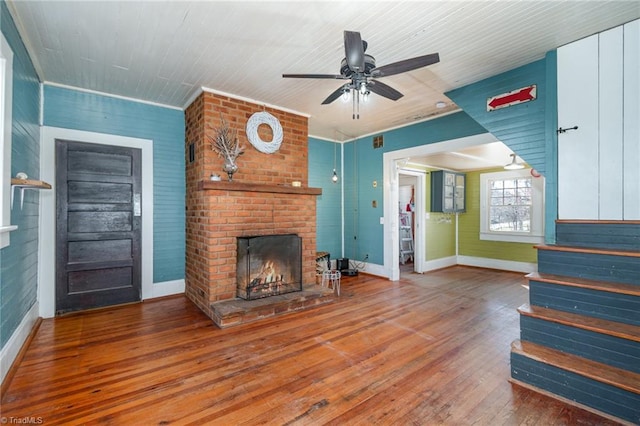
x=225 y=144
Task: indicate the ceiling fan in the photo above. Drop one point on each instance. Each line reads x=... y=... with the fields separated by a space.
x=361 y=71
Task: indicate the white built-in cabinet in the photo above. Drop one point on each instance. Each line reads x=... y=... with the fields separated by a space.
x=599 y=91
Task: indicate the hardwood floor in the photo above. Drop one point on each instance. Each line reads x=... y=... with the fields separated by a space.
x=429 y=349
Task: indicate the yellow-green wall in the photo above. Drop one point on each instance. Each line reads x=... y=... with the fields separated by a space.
x=441 y=230
x=441 y=236
x=469 y=243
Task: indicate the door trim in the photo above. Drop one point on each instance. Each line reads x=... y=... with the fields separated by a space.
x=391 y=161
x=419 y=246
x=47 y=228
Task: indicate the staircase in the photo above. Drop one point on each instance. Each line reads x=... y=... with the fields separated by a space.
x=580 y=331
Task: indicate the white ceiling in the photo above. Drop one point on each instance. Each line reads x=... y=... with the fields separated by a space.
x=477 y=157
x=165 y=52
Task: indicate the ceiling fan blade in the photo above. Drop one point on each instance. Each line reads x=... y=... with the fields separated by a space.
x=406 y=65
x=332 y=97
x=324 y=76
x=384 y=90
x=354 y=51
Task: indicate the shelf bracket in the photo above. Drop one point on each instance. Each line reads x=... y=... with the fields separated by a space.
x=22 y=189
x=26 y=184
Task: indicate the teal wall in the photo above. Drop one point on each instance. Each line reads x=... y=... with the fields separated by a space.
x=522 y=126
x=363 y=165
x=19 y=261
x=329 y=204
x=91 y=112
x=527 y=128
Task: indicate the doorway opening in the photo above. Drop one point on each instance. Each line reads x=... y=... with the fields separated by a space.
x=394 y=166
x=408 y=197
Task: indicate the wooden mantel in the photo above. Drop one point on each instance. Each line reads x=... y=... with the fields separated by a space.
x=222 y=185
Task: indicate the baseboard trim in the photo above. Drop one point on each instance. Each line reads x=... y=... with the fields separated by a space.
x=166 y=288
x=13 y=351
x=373 y=269
x=505 y=265
x=444 y=262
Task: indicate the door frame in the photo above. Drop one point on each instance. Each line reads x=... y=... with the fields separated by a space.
x=47 y=228
x=391 y=163
x=419 y=193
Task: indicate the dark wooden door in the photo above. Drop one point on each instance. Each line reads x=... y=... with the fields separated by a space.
x=98 y=223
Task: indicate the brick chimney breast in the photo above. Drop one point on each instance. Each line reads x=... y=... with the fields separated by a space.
x=259 y=201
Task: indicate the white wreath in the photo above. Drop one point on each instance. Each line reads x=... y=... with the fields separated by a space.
x=252 y=132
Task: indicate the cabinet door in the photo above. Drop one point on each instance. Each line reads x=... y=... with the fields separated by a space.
x=611 y=152
x=631 y=131
x=598 y=88
x=578 y=149
x=448 y=192
x=459 y=202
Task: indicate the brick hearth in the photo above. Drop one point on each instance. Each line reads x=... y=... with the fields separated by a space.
x=259 y=201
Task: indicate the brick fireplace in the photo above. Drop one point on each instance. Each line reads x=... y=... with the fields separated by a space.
x=260 y=201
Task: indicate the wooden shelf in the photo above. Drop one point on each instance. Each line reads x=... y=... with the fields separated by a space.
x=30 y=183
x=25 y=184
x=256 y=187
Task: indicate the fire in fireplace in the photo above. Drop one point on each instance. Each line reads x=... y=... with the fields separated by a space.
x=268 y=265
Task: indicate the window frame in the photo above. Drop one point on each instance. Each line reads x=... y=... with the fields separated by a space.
x=6 y=108
x=536 y=233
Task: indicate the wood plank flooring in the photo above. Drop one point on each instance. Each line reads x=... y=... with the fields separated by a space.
x=429 y=349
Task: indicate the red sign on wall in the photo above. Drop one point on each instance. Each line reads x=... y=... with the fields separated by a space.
x=515 y=97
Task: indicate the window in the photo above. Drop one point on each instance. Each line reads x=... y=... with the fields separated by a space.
x=6 y=90
x=512 y=207
x=510 y=204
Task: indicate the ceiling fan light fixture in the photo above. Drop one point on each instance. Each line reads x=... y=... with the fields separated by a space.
x=362 y=72
x=513 y=165
x=345 y=95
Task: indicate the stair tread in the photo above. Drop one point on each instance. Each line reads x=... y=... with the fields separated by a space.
x=608 y=286
x=598 y=325
x=594 y=370
x=591 y=250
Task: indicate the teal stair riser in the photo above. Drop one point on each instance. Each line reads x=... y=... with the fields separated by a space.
x=603 y=397
x=614 y=351
x=600 y=304
x=617 y=269
x=606 y=235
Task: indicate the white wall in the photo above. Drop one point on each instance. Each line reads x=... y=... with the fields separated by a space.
x=599 y=91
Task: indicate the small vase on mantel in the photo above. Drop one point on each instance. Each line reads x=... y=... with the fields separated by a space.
x=230 y=168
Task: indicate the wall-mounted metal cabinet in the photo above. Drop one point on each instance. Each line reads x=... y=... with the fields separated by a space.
x=447 y=192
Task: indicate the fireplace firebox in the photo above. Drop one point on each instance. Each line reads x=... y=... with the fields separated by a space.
x=268 y=265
